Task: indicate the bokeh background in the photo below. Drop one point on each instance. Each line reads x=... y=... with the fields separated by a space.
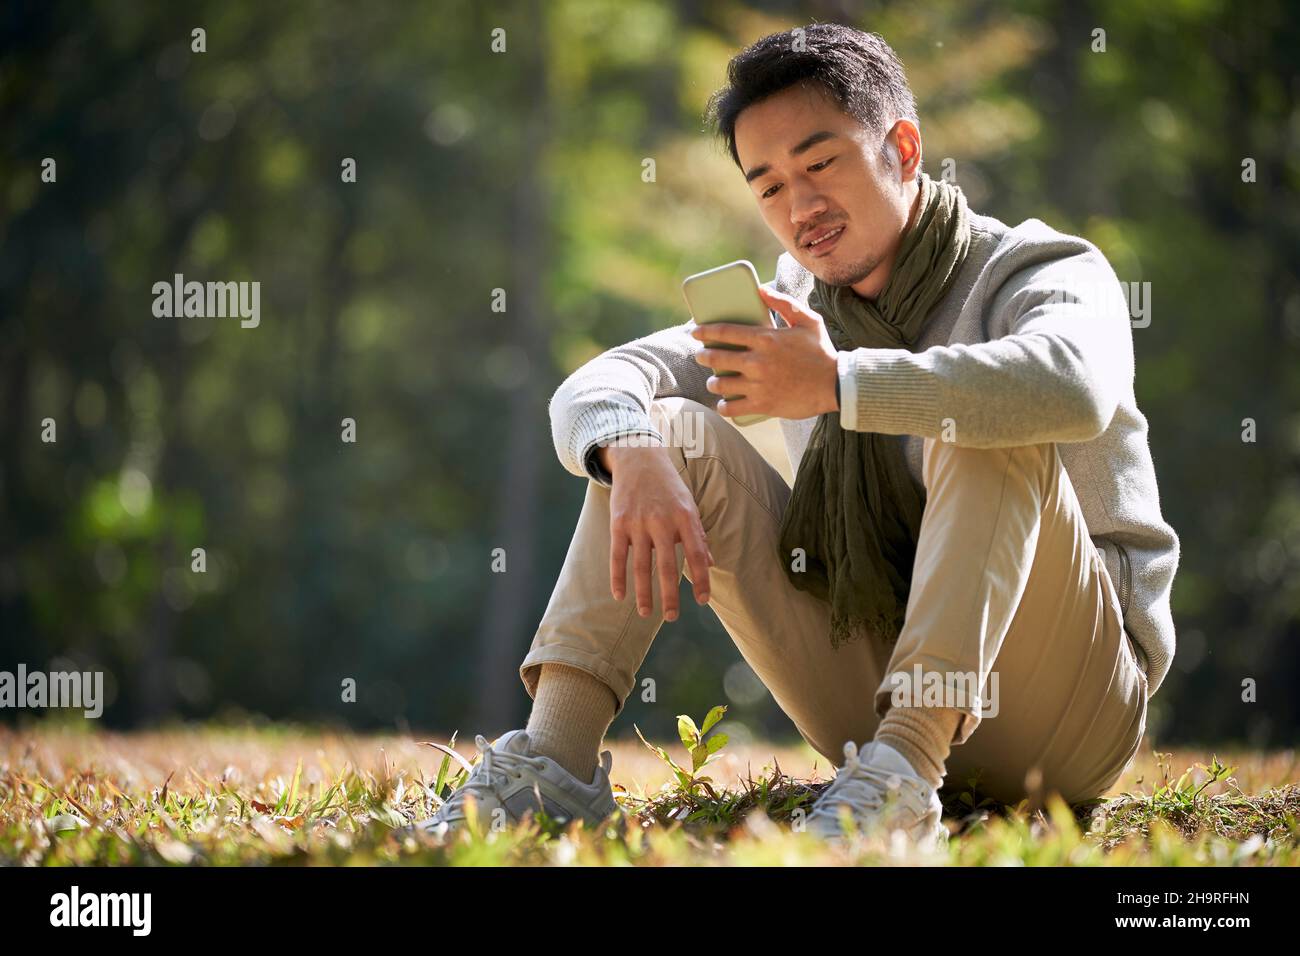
x=522 y=170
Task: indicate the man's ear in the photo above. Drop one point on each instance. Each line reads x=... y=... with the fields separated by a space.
x=905 y=144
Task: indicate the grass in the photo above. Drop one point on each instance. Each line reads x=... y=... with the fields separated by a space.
x=283 y=795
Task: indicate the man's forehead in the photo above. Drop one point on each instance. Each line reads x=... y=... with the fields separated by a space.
x=785 y=124
x=805 y=144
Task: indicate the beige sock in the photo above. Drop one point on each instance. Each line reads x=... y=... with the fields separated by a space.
x=923 y=736
x=571 y=712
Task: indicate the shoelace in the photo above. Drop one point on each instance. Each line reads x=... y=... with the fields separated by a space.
x=858 y=784
x=497 y=767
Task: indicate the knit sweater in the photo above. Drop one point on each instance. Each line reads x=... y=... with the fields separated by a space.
x=1033 y=343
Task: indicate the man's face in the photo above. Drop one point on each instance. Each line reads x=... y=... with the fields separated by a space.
x=816 y=171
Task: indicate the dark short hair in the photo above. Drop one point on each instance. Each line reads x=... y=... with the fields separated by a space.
x=857 y=70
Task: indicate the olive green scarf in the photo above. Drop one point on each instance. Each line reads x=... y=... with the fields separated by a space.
x=855 y=509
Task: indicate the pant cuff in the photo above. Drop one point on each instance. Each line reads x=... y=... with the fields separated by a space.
x=530 y=670
x=930 y=682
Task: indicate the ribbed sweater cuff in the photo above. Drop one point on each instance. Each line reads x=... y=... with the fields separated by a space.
x=602 y=424
x=889 y=391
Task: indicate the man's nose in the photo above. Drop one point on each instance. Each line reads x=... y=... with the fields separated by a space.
x=807 y=205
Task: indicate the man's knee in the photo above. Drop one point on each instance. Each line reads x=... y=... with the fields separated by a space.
x=1032 y=462
x=685 y=424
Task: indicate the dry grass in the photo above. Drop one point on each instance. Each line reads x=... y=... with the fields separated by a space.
x=216 y=795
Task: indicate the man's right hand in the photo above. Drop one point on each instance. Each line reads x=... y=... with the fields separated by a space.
x=650 y=510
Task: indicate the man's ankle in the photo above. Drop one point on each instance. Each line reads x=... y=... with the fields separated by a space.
x=923 y=736
x=571 y=712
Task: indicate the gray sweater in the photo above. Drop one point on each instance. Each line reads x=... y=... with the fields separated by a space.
x=1032 y=344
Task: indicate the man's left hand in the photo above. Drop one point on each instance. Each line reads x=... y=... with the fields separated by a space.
x=787 y=373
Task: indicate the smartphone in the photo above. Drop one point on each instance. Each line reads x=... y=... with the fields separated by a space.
x=728 y=294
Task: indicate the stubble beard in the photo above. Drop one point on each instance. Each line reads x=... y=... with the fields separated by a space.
x=852 y=275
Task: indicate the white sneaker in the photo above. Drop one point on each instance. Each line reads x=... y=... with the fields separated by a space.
x=883 y=794
x=508 y=778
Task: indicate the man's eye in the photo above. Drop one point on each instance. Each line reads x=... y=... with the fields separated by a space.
x=814 y=168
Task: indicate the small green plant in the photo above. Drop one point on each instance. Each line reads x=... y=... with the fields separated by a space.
x=1182 y=798
x=1184 y=786
x=971 y=801
x=444 y=785
x=701 y=752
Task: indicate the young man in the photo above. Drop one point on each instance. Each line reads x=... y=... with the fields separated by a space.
x=973 y=552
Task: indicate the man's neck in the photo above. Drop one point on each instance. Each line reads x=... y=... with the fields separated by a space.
x=886 y=268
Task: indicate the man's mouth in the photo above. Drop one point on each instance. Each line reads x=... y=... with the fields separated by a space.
x=823 y=241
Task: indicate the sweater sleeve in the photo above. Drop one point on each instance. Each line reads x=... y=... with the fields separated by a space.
x=609 y=397
x=1058 y=359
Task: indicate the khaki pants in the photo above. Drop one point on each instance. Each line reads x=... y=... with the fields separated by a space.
x=1008 y=591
